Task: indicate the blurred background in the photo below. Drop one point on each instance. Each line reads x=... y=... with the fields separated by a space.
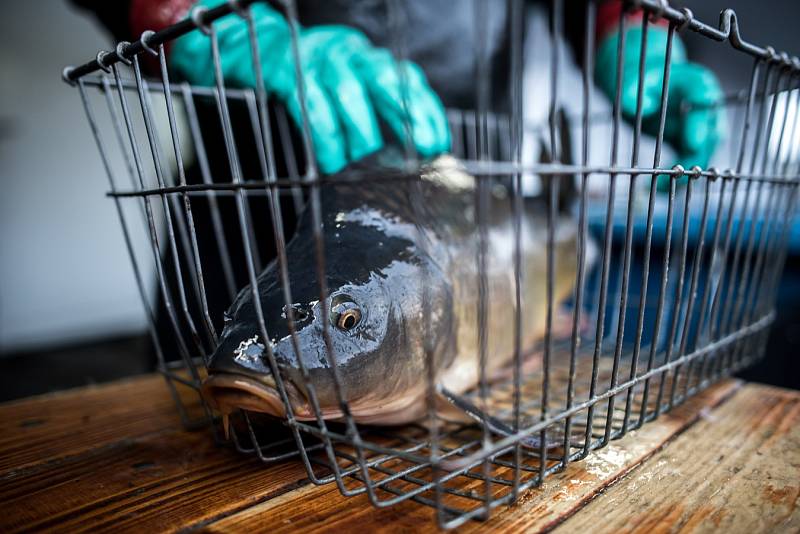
x=70 y=313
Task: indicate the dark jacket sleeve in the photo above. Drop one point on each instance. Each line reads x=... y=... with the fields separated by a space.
x=575 y=27
x=113 y=15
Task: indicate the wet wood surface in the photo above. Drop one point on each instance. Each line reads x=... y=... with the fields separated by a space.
x=113 y=457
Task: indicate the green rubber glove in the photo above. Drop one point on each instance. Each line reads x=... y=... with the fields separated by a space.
x=348 y=83
x=694 y=134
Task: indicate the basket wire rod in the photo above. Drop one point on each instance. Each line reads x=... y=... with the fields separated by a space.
x=586 y=70
x=290 y=157
x=662 y=295
x=626 y=262
x=405 y=475
x=737 y=310
x=648 y=244
x=186 y=251
x=125 y=149
x=710 y=284
x=692 y=294
x=790 y=166
x=788 y=217
x=419 y=464
x=770 y=282
x=153 y=141
x=187 y=206
x=424 y=485
x=175 y=208
x=557 y=154
x=761 y=279
x=506 y=442
x=787 y=94
x=773 y=253
x=746 y=310
x=211 y=197
x=177 y=213
x=248 y=241
x=745 y=228
x=175 y=220
x=277 y=226
x=480 y=16
x=769 y=273
x=709 y=325
x=678 y=291
x=766 y=237
x=515 y=95
x=264 y=146
x=259 y=450
x=725 y=324
x=608 y=228
x=123 y=146
x=177 y=87
x=455 y=121
x=90 y=117
x=478 y=169
x=154 y=245
x=397 y=23
x=750 y=302
x=266 y=155
x=319 y=254
x=435 y=454
x=534 y=126
x=471 y=135
x=728 y=28
x=267 y=168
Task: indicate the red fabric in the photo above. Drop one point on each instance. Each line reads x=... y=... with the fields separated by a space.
x=156 y=14
x=608 y=18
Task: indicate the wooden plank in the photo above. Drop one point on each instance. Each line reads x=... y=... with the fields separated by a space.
x=736 y=471
x=45 y=428
x=115 y=457
x=159 y=483
x=323 y=509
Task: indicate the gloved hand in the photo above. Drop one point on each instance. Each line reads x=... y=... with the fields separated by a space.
x=348 y=83
x=694 y=134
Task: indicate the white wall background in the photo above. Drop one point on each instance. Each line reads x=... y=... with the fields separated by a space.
x=64 y=270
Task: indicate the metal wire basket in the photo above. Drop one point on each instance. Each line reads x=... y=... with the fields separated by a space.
x=680 y=295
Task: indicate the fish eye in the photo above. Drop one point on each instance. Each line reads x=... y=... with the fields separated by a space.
x=345 y=314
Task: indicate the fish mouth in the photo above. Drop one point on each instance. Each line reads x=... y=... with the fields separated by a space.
x=228 y=392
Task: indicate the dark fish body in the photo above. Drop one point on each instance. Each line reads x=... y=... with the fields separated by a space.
x=391 y=249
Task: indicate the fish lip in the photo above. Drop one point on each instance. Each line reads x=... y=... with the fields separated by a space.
x=228 y=392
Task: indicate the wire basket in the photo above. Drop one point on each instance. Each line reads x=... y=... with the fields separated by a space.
x=669 y=291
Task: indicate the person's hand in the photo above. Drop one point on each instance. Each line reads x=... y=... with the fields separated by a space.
x=348 y=83
x=694 y=121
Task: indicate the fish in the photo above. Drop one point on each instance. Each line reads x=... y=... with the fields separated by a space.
x=401 y=270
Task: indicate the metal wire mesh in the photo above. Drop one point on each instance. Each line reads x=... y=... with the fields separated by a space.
x=634 y=338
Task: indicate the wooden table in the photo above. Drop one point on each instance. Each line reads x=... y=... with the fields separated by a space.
x=113 y=457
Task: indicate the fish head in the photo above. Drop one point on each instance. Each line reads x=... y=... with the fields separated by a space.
x=386 y=305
